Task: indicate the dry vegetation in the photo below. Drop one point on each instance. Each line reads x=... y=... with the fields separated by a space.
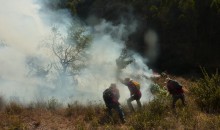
x=156 y=114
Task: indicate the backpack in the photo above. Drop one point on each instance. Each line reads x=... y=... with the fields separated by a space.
x=174 y=87
x=107 y=94
x=136 y=84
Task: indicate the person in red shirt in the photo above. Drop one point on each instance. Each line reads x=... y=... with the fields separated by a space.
x=176 y=90
x=111 y=96
x=135 y=93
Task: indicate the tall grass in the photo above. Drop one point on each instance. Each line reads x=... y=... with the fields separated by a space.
x=206 y=92
x=53 y=104
x=2 y=103
x=156 y=114
x=13 y=108
x=15 y=123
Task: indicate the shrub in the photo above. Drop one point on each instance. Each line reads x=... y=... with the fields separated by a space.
x=2 y=103
x=207 y=92
x=53 y=104
x=16 y=123
x=158 y=90
x=74 y=109
x=187 y=117
x=13 y=108
x=39 y=104
x=152 y=115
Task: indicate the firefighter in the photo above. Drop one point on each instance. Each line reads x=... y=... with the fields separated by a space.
x=135 y=93
x=176 y=90
x=111 y=96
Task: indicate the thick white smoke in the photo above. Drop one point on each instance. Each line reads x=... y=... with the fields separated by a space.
x=23 y=25
x=151 y=41
x=21 y=28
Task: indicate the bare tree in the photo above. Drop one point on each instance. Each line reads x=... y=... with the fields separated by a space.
x=70 y=50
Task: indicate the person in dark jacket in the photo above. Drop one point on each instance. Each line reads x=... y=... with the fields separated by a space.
x=176 y=90
x=111 y=96
x=135 y=93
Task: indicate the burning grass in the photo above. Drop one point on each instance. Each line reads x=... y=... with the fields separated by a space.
x=156 y=114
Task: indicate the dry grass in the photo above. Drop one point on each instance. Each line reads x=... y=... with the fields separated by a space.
x=2 y=103
x=155 y=115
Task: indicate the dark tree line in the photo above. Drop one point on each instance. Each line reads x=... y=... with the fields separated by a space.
x=188 y=30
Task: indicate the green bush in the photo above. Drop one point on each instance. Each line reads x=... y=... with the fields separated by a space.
x=158 y=90
x=207 y=92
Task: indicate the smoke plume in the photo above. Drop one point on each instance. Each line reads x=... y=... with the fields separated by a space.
x=26 y=69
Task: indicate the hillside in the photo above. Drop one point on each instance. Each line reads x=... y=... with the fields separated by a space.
x=156 y=114
x=188 y=31
x=58 y=56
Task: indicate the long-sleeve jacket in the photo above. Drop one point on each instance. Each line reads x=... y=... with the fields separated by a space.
x=111 y=96
x=174 y=87
x=133 y=87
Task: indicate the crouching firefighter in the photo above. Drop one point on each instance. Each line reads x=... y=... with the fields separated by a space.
x=135 y=93
x=176 y=90
x=111 y=96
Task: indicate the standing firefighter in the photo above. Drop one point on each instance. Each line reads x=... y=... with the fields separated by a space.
x=176 y=90
x=135 y=93
x=111 y=96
